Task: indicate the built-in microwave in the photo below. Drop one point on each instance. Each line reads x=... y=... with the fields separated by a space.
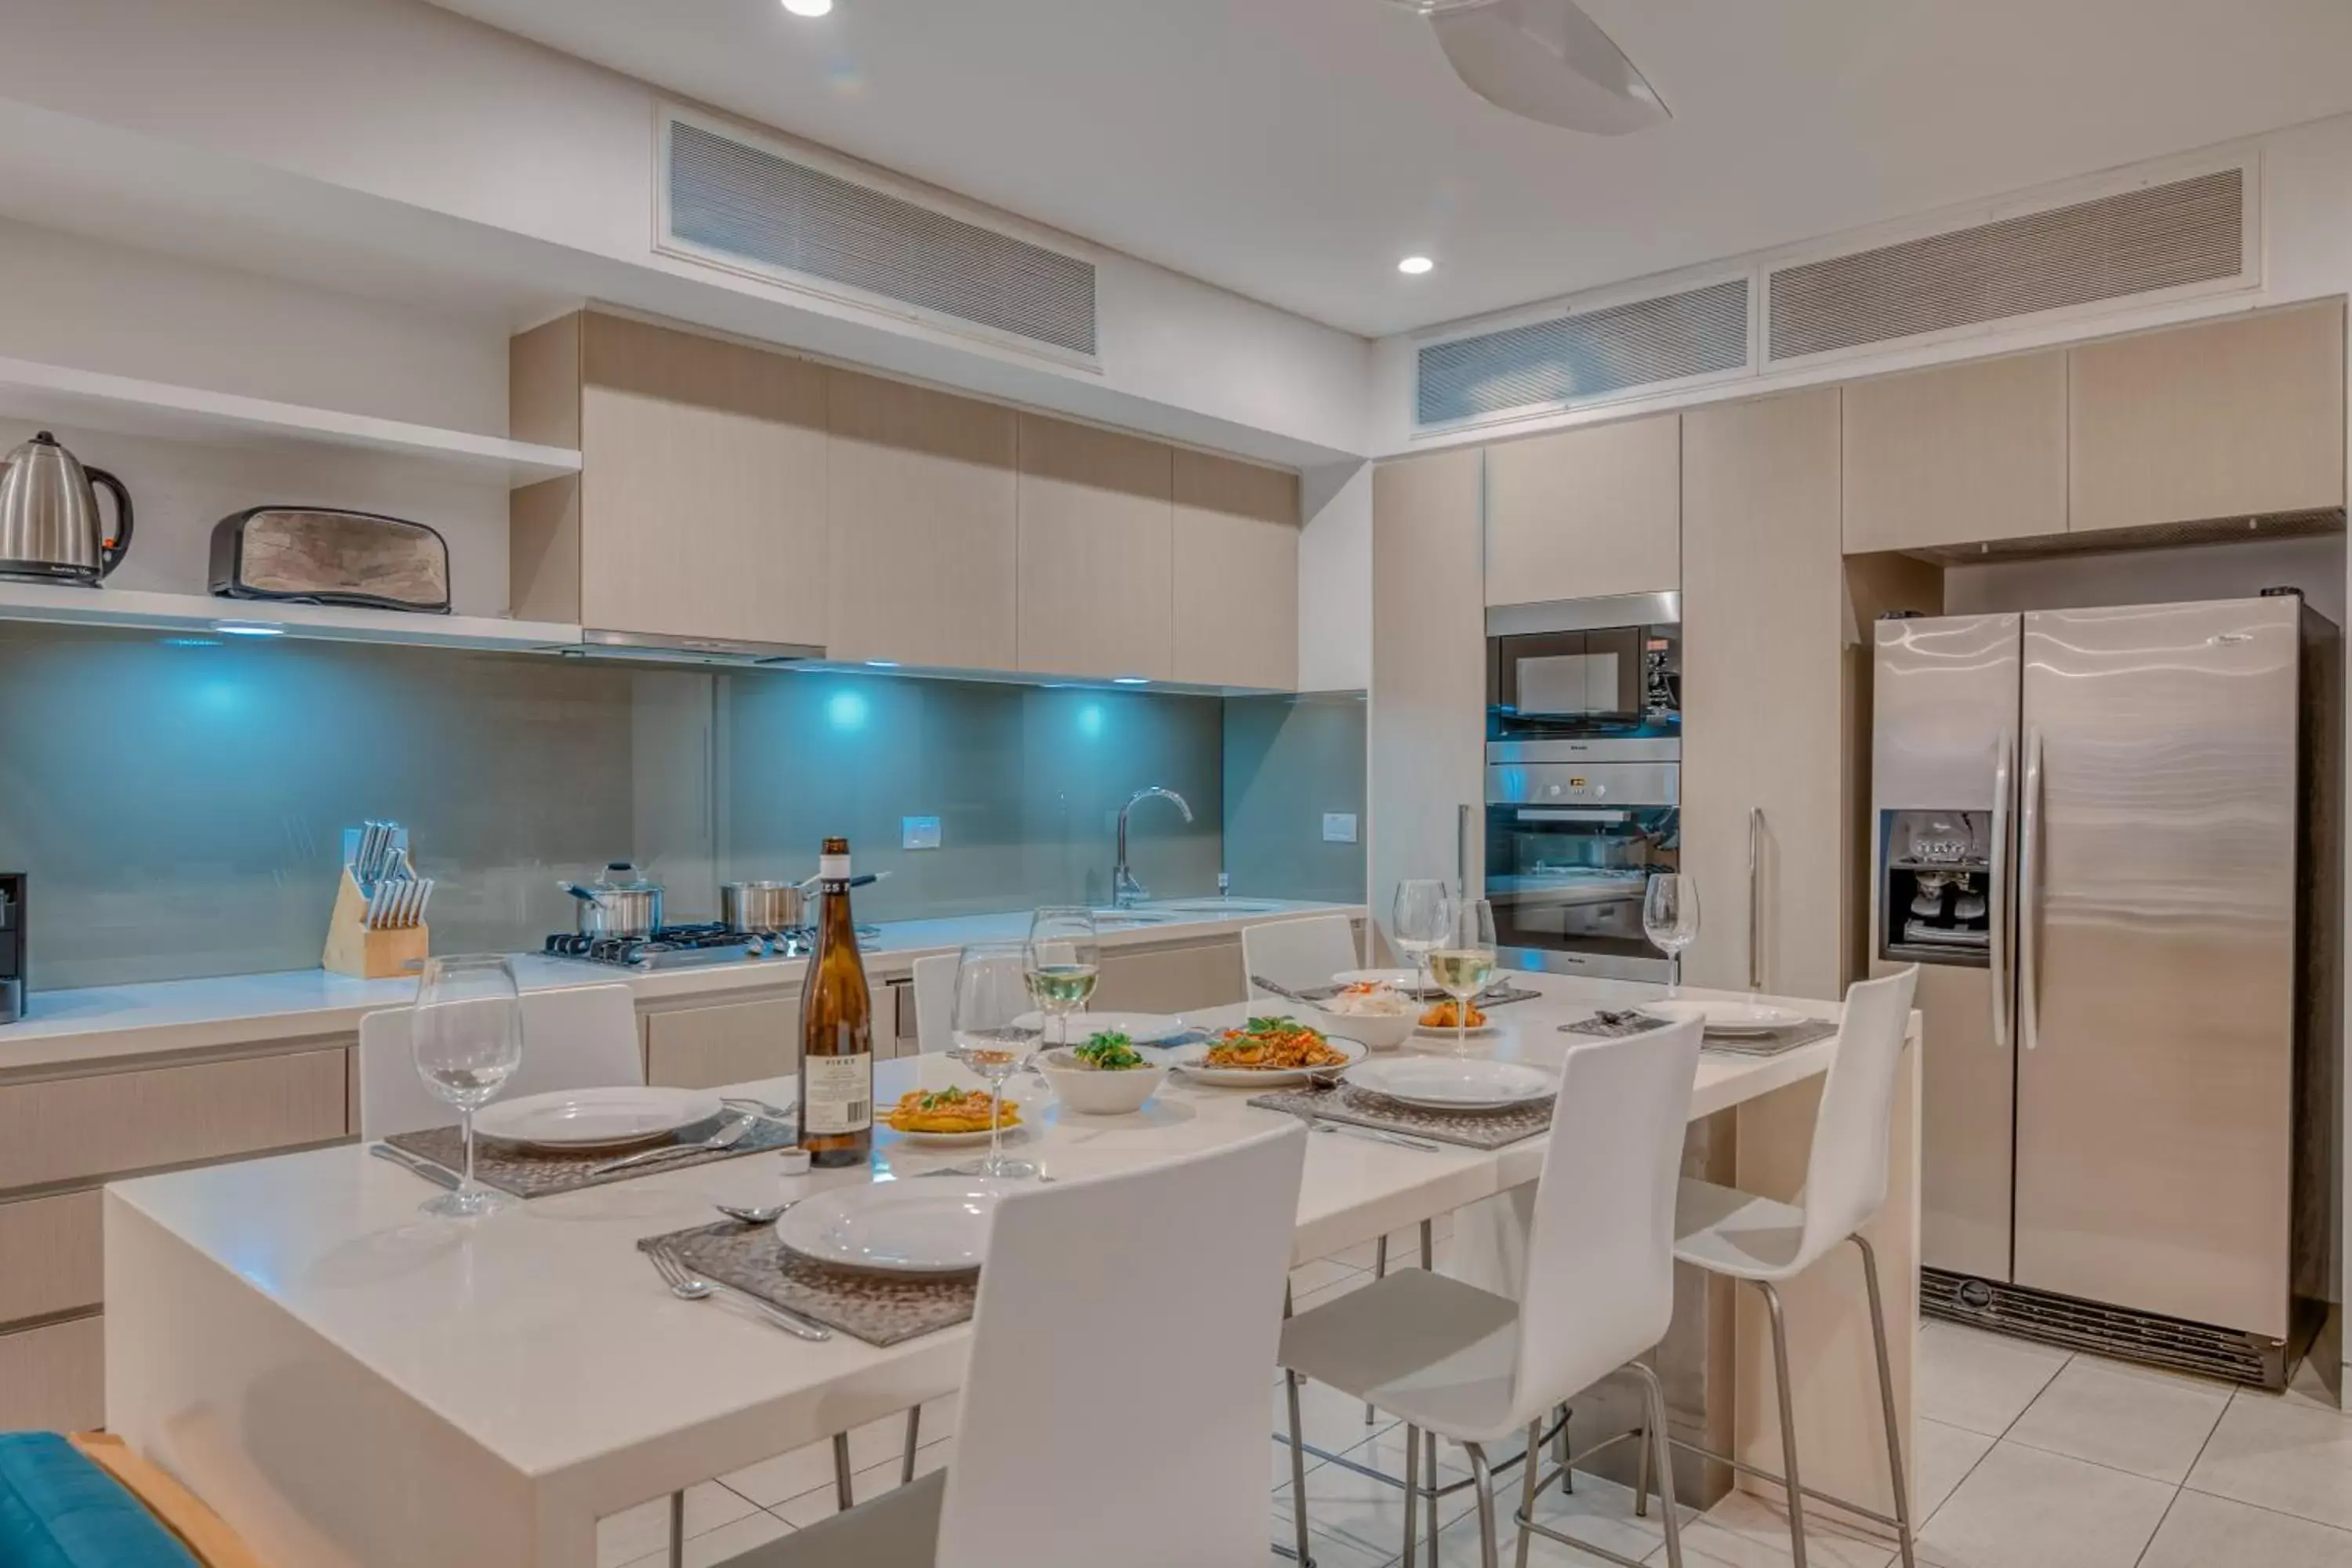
x=1585 y=667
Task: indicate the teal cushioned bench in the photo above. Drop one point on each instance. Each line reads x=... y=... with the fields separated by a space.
x=57 y=1510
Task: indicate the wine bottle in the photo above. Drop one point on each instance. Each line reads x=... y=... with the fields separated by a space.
x=837 y=1027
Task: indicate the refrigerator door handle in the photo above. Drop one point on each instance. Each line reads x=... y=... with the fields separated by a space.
x=1756 y=898
x=2003 y=1003
x=2028 y=898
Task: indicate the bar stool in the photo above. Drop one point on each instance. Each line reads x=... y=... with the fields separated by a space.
x=1763 y=1243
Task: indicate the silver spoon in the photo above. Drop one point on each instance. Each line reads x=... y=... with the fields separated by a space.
x=766 y=1215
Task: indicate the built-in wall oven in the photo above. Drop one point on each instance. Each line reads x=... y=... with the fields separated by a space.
x=1583 y=779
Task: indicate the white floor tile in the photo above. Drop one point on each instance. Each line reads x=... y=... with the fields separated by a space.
x=1941 y=1457
x=1328 y=1551
x=1746 y=1532
x=2023 y=1507
x=1978 y=1381
x=2288 y=1457
x=772 y=1481
x=635 y=1532
x=2135 y=1418
x=1598 y=1510
x=2213 y=1532
x=1334 y=1422
x=1367 y=1513
x=865 y=1485
x=1309 y=1278
x=728 y=1540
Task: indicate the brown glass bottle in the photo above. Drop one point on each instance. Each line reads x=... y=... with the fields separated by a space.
x=837 y=1027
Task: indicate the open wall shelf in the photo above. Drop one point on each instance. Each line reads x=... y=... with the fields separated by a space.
x=203 y=614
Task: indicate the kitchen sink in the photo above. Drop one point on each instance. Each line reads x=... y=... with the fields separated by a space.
x=1217 y=906
x=1123 y=919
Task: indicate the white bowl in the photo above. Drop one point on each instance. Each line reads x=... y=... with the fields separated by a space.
x=1092 y=1092
x=1378 y=1032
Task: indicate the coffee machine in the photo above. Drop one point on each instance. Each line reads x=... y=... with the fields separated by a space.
x=12 y=946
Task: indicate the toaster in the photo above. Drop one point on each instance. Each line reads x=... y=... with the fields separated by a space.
x=321 y=555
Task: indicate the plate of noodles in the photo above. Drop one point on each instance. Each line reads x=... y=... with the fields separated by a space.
x=1264 y=1053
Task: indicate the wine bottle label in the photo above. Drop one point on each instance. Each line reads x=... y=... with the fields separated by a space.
x=832 y=868
x=837 y=1093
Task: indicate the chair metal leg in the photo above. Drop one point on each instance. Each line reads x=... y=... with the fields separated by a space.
x=1560 y=1454
x=914 y=1441
x=1428 y=1463
x=1412 y=1493
x=1665 y=1463
x=678 y=1530
x=1796 y=1499
x=1489 y=1548
x=1887 y=1397
x=1429 y=1244
x=1297 y=1470
x=1379 y=1271
x=843 y=1496
x=1527 y=1493
x=1641 y=1469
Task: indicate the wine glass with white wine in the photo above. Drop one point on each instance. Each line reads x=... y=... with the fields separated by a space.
x=1670 y=920
x=1064 y=960
x=466 y=1029
x=1465 y=961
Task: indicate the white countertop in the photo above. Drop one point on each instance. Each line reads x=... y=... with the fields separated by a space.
x=169 y=1017
x=505 y=1328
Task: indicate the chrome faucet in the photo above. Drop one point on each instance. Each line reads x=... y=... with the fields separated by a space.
x=1125 y=892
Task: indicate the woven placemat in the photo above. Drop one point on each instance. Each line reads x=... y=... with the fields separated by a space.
x=1483 y=1130
x=1501 y=995
x=1770 y=1045
x=530 y=1173
x=880 y=1309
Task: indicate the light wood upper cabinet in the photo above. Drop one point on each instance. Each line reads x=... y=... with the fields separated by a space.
x=920 y=494
x=1236 y=573
x=2231 y=418
x=1956 y=455
x=1764 y=619
x=1096 y=546
x=700 y=507
x=1585 y=512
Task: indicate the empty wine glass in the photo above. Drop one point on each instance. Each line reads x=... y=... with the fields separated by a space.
x=1419 y=920
x=991 y=1032
x=1670 y=920
x=467 y=1029
x=1465 y=961
x=1065 y=959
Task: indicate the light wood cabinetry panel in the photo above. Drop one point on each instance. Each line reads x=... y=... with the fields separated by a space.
x=1956 y=455
x=1236 y=573
x=2227 y=419
x=700 y=506
x=1171 y=979
x=1428 y=705
x=1763 y=682
x=78 y=1129
x=1586 y=512
x=50 y=1256
x=703 y=1047
x=1097 y=519
x=920 y=494
x=53 y=1379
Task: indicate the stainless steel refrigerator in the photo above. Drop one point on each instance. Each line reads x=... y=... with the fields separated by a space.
x=2107 y=838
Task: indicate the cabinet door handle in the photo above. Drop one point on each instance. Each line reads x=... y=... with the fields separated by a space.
x=2029 y=898
x=1756 y=898
x=2003 y=783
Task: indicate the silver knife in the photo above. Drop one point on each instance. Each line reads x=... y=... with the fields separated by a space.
x=1325 y=1124
x=440 y=1176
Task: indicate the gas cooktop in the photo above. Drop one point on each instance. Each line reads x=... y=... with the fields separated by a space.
x=692 y=946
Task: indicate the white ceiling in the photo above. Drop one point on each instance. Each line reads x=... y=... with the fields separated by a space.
x=1293 y=150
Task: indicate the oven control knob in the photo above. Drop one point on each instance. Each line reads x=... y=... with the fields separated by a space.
x=1552 y=789
x=1599 y=790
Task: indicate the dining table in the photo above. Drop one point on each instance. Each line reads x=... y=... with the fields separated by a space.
x=349 y=1382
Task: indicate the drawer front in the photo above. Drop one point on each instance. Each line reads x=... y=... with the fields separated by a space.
x=50 y=1258
x=54 y=1379
x=85 y=1129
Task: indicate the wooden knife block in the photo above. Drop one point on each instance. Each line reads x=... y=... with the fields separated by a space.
x=354 y=949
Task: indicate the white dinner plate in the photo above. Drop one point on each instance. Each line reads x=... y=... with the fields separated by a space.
x=960 y=1139
x=594 y=1117
x=1446 y=1032
x=1404 y=978
x=1143 y=1028
x=1453 y=1083
x=1726 y=1017
x=1186 y=1059
x=933 y=1225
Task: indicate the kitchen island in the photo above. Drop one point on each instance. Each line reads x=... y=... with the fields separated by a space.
x=313 y=1357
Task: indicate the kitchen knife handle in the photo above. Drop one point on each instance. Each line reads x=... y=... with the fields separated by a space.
x=2029 y=898
x=1997 y=895
x=1756 y=898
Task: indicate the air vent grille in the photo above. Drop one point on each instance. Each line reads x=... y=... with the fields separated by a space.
x=1586 y=357
x=768 y=213
x=2162 y=236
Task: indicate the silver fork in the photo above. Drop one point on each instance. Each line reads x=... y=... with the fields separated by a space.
x=688 y=1286
x=727 y=1137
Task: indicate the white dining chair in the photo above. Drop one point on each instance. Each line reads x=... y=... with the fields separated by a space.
x=1762 y=1242
x=1110 y=1414
x=1460 y=1363
x=1298 y=955
x=579 y=1037
x=934 y=1002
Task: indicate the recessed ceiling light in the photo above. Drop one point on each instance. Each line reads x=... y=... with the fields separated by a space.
x=808 y=7
x=1415 y=266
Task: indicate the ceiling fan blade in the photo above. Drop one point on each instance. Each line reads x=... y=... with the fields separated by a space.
x=1546 y=60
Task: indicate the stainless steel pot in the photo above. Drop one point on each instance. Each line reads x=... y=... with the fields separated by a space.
x=619 y=902
x=763 y=907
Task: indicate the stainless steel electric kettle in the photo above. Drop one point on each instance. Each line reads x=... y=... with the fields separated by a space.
x=50 y=530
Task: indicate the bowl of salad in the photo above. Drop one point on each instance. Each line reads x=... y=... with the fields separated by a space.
x=1106 y=1073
